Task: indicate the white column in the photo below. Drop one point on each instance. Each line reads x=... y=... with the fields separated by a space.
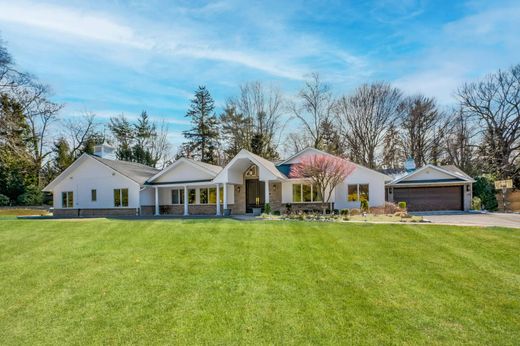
x=218 y=200
x=157 y=201
x=266 y=198
x=186 y=213
x=225 y=195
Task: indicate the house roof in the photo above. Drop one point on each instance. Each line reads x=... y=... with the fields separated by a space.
x=211 y=170
x=135 y=171
x=283 y=165
x=456 y=173
x=269 y=165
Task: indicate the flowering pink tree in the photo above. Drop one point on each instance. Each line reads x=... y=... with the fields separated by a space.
x=324 y=171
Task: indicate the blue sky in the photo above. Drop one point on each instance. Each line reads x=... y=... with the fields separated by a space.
x=110 y=57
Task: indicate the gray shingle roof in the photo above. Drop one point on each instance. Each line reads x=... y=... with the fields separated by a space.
x=456 y=170
x=135 y=171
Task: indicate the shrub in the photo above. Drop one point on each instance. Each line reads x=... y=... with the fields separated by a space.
x=377 y=210
x=355 y=211
x=288 y=208
x=344 y=212
x=476 y=203
x=267 y=208
x=484 y=189
x=276 y=213
x=391 y=208
x=4 y=200
x=32 y=196
x=402 y=205
x=364 y=205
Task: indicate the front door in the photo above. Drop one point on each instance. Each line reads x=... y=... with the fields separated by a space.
x=254 y=194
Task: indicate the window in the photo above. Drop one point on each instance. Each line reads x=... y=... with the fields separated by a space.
x=363 y=192
x=297 y=193
x=67 y=199
x=203 y=196
x=357 y=192
x=192 y=194
x=306 y=193
x=120 y=197
x=213 y=195
x=93 y=195
x=352 y=193
x=178 y=196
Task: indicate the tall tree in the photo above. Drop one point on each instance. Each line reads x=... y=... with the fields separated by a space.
x=314 y=108
x=421 y=119
x=365 y=117
x=331 y=141
x=494 y=102
x=261 y=107
x=123 y=133
x=459 y=143
x=234 y=127
x=203 y=136
x=393 y=156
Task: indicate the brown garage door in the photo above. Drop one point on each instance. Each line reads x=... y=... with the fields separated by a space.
x=430 y=198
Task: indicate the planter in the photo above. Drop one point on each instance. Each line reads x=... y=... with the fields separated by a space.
x=227 y=212
x=257 y=211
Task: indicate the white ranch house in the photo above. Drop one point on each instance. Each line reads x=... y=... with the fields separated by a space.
x=96 y=185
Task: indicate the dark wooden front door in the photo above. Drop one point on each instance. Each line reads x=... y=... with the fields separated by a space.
x=430 y=198
x=254 y=194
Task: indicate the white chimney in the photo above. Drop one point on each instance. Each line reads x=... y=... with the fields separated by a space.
x=105 y=151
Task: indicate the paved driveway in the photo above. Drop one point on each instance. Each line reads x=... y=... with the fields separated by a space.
x=475 y=219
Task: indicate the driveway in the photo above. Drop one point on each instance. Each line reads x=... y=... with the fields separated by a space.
x=474 y=219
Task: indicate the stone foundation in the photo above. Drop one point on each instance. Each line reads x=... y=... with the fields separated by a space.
x=98 y=212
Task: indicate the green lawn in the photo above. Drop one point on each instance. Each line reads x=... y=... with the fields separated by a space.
x=261 y=282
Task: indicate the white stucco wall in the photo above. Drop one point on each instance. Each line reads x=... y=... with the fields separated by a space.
x=92 y=174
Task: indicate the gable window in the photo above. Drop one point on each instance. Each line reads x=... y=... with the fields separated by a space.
x=120 y=197
x=305 y=193
x=178 y=196
x=67 y=199
x=192 y=195
x=357 y=192
x=93 y=195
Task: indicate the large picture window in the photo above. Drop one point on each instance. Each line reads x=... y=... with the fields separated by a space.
x=357 y=192
x=306 y=193
x=67 y=199
x=209 y=195
x=203 y=196
x=178 y=196
x=120 y=198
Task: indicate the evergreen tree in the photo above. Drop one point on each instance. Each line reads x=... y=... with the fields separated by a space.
x=123 y=132
x=144 y=133
x=393 y=156
x=331 y=139
x=62 y=155
x=202 y=138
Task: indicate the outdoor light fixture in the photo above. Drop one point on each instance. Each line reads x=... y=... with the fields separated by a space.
x=274 y=187
x=238 y=188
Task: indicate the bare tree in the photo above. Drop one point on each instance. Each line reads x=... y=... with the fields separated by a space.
x=160 y=147
x=495 y=103
x=262 y=109
x=314 y=108
x=459 y=143
x=420 y=123
x=365 y=117
x=78 y=131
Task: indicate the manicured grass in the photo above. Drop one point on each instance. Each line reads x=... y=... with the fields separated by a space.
x=261 y=282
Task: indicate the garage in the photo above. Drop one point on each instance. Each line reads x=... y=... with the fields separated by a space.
x=431 y=188
x=430 y=198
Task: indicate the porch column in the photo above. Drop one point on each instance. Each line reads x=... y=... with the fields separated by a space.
x=157 y=201
x=266 y=198
x=218 y=200
x=186 y=213
x=225 y=195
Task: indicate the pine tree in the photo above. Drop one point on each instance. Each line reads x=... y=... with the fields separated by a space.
x=144 y=133
x=123 y=132
x=393 y=156
x=331 y=139
x=202 y=138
